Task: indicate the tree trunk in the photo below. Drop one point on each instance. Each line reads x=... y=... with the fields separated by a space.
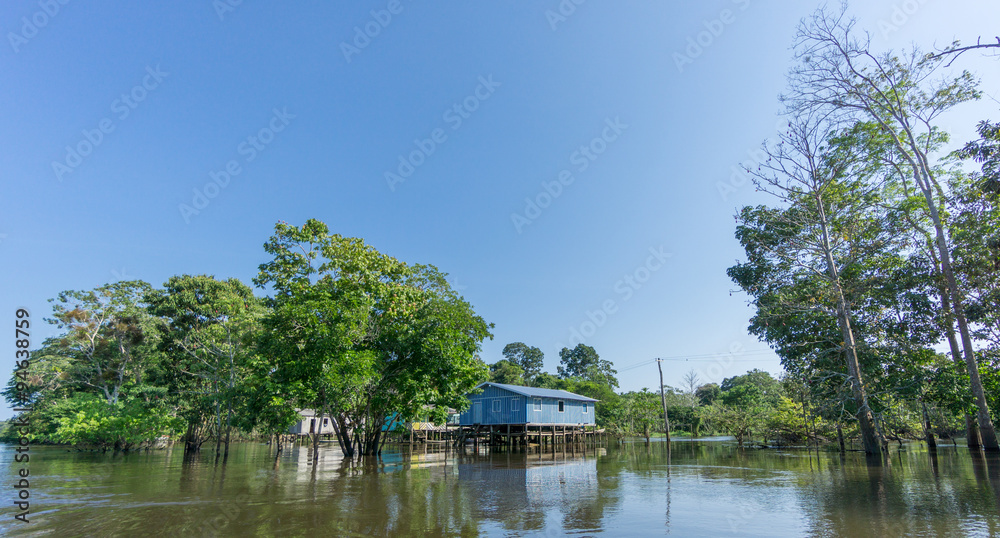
x=928 y=432
x=229 y=428
x=986 y=430
x=315 y=436
x=191 y=443
x=343 y=437
x=972 y=437
x=871 y=439
x=840 y=437
x=924 y=179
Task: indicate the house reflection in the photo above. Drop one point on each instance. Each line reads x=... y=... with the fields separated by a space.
x=520 y=491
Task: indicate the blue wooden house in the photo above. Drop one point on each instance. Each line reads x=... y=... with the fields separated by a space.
x=500 y=404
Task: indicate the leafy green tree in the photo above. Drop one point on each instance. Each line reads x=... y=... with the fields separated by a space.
x=809 y=258
x=359 y=336
x=740 y=422
x=528 y=358
x=123 y=425
x=212 y=326
x=546 y=380
x=641 y=414
x=708 y=393
x=756 y=385
x=109 y=336
x=506 y=372
x=584 y=362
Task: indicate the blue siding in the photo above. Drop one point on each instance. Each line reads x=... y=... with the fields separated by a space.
x=500 y=406
x=573 y=412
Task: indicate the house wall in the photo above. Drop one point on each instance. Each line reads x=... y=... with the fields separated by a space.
x=511 y=408
x=574 y=412
x=302 y=426
x=518 y=409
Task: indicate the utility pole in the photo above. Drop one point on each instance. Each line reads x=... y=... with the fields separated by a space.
x=663 y=400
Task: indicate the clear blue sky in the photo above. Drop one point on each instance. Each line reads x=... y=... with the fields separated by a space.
x=181 y=87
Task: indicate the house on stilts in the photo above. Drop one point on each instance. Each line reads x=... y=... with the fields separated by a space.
x=512 y=414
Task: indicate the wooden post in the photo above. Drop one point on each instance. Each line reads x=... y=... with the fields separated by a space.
x=663 y=399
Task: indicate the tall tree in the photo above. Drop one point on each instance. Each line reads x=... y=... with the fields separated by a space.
x=109 y=335
x=904 y=95
x=529 y=358
x=506 y=372
x=802 y=257
x=212 y=325
x=584 y=362
x=359 y=335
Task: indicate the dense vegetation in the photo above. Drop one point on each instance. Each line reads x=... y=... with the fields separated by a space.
x=881 y=246
x=347 y=331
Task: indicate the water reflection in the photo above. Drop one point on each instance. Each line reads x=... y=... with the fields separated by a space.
x=695 y=488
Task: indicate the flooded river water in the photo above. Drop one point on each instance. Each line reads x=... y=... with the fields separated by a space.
x=698 y=488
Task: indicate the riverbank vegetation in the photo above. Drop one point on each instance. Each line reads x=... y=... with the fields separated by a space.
x=347 y=331
x=880 y=246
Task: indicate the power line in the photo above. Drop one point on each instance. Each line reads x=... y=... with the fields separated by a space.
x=732 y=357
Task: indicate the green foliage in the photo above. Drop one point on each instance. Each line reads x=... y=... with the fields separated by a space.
x=754 y=388
x=529 y=359
x=708 y=393
x=110 y=337
x=210 y=341
x=89 y=420
x=506 y=372
x=583 y=362
x=360 y=335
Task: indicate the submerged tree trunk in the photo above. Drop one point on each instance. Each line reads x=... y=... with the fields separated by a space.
x=928 y=432
x=315 y=431
x=192 y=438
x=229 y=428
x=871 y=440
x=840 y=437
x=972 y=438
x=343 y=436
x=986 y=430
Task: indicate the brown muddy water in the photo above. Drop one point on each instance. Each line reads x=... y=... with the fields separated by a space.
x=699 y=488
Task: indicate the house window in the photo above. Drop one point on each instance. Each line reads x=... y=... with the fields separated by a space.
x=515 y=403
x=326 y=422
x=562 y=406
x=496 y=405
x=586 y=406
x=538 y=404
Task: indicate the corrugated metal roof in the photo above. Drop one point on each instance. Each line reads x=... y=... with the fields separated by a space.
x=534 y=392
